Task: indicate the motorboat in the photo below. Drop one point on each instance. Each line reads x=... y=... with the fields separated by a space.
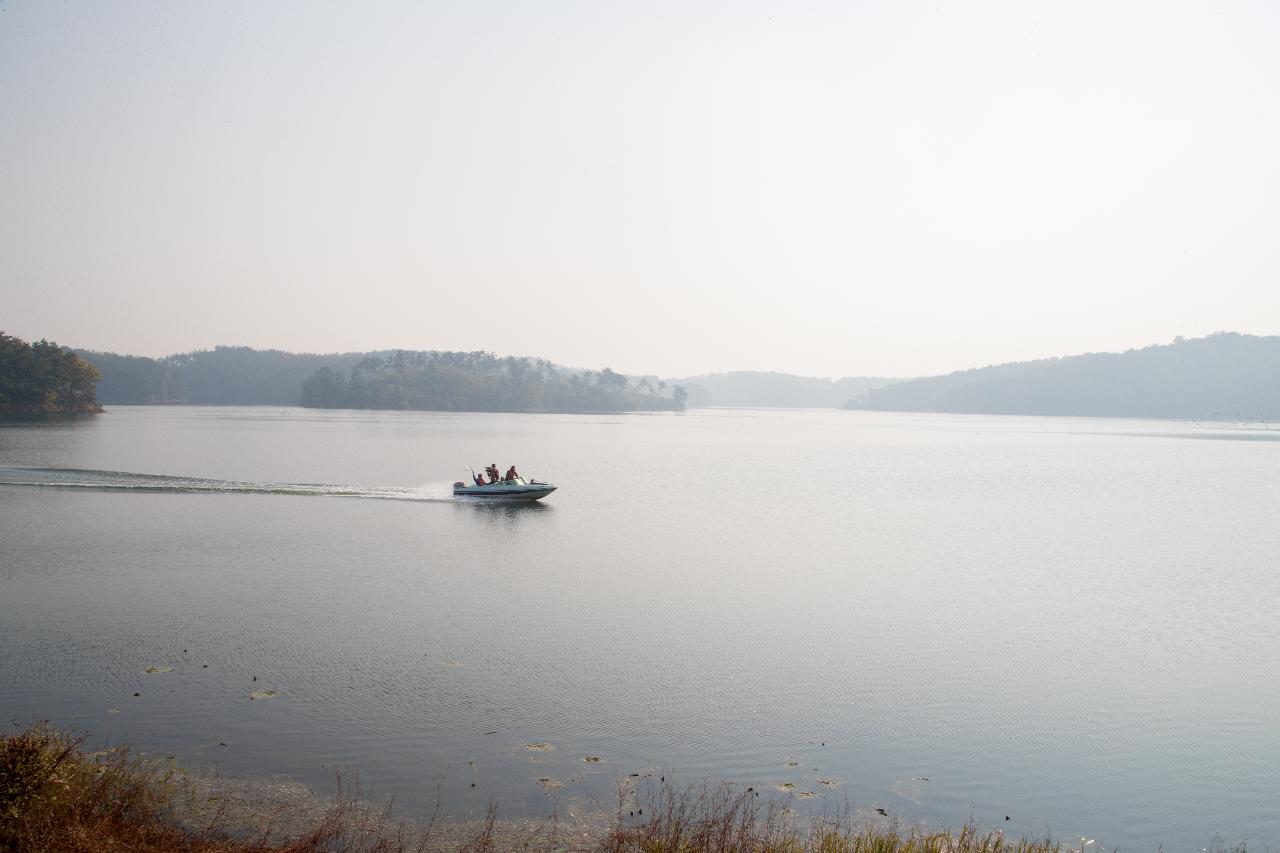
x=517 y=489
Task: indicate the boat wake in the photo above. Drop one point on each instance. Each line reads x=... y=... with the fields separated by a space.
x=125 y=481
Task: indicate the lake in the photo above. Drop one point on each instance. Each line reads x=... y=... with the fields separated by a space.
x=1072 y=622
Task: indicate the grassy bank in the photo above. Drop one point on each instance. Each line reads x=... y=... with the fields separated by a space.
x=55 y=796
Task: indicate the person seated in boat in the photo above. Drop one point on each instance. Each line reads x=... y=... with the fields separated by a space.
x=479 y=480
x=511 y=475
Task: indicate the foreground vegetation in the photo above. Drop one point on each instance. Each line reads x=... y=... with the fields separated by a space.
x=57 y=798
x=44 y=379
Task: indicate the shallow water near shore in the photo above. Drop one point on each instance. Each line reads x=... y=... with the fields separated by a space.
x=1066 y=621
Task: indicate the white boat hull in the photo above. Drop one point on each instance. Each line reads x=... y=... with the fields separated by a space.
x=519 y=490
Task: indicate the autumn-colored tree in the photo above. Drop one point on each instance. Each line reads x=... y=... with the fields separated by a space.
x=44 y=378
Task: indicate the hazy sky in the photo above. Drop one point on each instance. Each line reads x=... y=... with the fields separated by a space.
x=823 y=188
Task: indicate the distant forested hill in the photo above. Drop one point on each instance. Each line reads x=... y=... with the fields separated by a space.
x=44 y=379
x=398 y=379
x=752 y=388
x=1226 y=376
x=220 y=376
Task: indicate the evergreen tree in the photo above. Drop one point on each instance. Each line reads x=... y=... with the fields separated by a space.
x=44 y=378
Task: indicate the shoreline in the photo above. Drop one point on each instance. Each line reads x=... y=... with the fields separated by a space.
x=34 y=412
x=55 y=796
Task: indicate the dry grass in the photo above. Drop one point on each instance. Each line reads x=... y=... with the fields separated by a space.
x=56 y=798
x=724 y=819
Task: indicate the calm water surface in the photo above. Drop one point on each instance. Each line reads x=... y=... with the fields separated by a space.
x=1068 y=621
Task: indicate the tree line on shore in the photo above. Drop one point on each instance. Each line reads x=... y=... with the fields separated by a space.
x=482 y=382
x=222 y=376
x=395 y=379
x=43 y=378
x=1225 y=376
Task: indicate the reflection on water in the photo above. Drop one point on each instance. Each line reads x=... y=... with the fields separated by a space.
x=506 y=513
x=1062 y=620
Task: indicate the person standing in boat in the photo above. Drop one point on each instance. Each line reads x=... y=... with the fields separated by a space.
x=492 y=471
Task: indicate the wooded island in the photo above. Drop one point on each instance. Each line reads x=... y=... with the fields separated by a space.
x=45 y=379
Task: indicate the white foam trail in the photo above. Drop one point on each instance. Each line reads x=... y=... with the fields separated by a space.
x=79 y=478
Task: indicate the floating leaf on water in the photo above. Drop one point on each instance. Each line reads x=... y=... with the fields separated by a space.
x=263 y=694
x=786 y=786
x=452 y=663
x=539 y=747
x=592 y=759
x=793 y=763
x=830 y=783
x=549 y=783
x=152 y=670
x=806 y=795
